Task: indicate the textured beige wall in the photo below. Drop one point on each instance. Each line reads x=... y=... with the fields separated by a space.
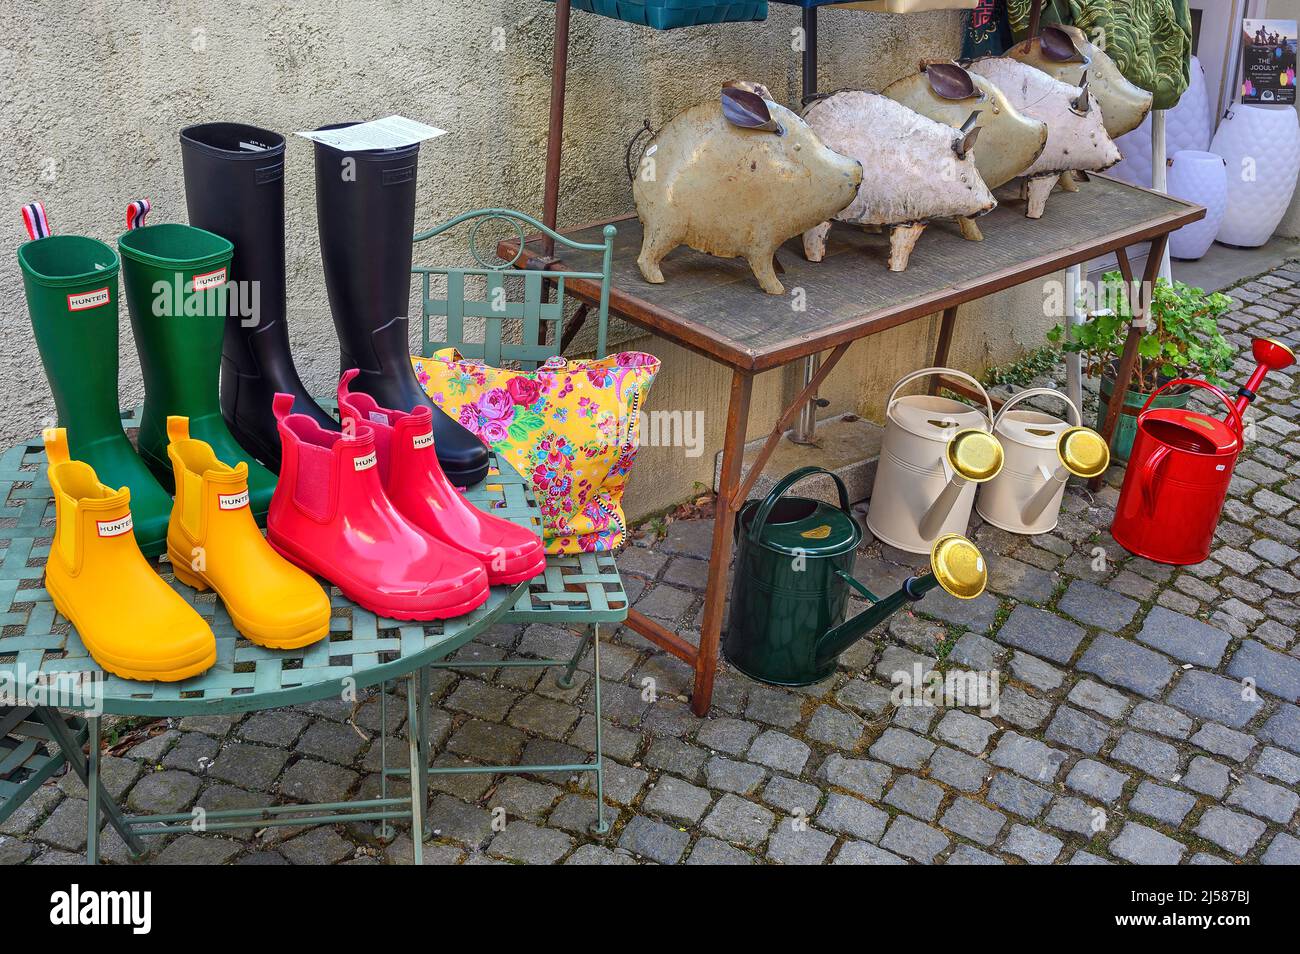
x=96 y=93
x=1290 y=225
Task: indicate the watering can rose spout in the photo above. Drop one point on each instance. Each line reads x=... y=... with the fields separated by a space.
x=956 y=565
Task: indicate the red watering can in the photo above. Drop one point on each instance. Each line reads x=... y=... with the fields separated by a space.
x=1180 y=466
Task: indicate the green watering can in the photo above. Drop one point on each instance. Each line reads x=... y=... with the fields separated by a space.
x=793 y=575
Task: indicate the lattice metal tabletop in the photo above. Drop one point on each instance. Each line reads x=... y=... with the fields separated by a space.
x=36 y=644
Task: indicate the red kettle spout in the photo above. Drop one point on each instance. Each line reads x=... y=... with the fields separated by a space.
x=1270 y=355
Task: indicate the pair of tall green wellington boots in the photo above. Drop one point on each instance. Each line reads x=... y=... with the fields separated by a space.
x=176 y=283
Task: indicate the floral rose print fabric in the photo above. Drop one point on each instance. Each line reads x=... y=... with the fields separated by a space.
x=570 y=427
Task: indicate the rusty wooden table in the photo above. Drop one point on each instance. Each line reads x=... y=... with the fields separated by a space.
x=714 y=307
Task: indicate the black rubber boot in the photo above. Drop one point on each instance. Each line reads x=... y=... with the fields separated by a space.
x=234 y=186
x=365 y=208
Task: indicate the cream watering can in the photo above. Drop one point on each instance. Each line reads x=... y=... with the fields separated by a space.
x=1041 y=453
x=934 y=453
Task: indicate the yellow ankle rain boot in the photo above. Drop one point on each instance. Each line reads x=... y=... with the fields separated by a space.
x=214 y=543
x=131 y=622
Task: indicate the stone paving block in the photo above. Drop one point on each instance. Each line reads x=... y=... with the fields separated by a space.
x=1283 y=728
x=1234 y=832
x=739 y=821
x=864 y=853
x=915 y=718
x=1075 y=729
x=1021 y=581
x=966 y=855
x=1160 y=719
x=677 y=799
x=1076 y=816
x=1021 y=709
x=901 y=748
x=1041 y=675
x=1273 y=672
x=332 y=741
x=1183 y=637
x=774 y=706
x=862 y=776
x=1221 y=740
x=977 y=614
x=1207 y=696
x=1041 y=633
x=730 y=775
x=164 y=793
x=1280 y=765
x=526 y=799
x=619 y=743
x=478 y=698
x=197 y=850
x=972 y=820
x=1156 y=758
x=965 y=730
x=1035 y=847
x=1100 y=699
x=527 y=843
x=1163 y=804
x=542 y=716
x=1027 y=757
x=623 y=783
x=958 y=769
x=902 y=666
x=803 y=846
x=1145 y=846
x=792 y=796
x=915 y=796
x=913 y=839
x=711 y=851
x=976 y=652
x=1127 y=665
x=731 y=736
x=1284 y=849
x=834 y=727
x=253 y=767
x=1206 y=776
x=678 y=757
x=1094 y=606
x=646 y=838
x=852 y=816
x=868 y=698
x=1018 y=796
x=1265 y=799
x=1097 y=780
x=318 y=846
x=275 y=727
x=308 y=780
x=487 y=741
x=590 y=854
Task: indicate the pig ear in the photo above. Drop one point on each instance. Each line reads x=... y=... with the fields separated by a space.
x=963 y=144
x=747 y=110
x=1082 y=103
x=950 y=81
x=1058 y=45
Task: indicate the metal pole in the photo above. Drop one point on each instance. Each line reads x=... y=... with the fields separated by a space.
x=1073 y=361
x=555 y=131
x=805 y=428
x=1160 y=172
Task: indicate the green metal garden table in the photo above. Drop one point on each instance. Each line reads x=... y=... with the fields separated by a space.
x=42 y=658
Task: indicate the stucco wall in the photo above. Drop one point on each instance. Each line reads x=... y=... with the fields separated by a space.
x=1290 y=225
x=96 y=93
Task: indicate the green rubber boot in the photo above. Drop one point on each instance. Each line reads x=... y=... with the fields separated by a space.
x=71 y=285
x=175 y=277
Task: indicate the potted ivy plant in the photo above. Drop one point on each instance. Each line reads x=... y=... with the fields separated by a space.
x=1182 y=339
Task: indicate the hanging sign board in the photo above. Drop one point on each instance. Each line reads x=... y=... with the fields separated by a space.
x=1268 y=54
x=392 y=132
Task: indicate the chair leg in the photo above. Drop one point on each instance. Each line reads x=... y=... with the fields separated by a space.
x=92 y=794
x=601 y=826
x=67 y=744
x=565 y=681
x=420 y=780
x=414 y=730
x=383 y=831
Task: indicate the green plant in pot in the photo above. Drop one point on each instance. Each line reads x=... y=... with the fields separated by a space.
x=1182 y=339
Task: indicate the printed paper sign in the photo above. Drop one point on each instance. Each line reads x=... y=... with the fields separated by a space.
x=1268 y=61
x=391 y=132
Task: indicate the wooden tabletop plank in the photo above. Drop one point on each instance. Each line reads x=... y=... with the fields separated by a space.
x=714 y=306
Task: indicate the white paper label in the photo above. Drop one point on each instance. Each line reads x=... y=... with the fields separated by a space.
x=364 y=463
x=391 y=132
x=421 y=441
x=377 y=417
x=233 y=501
x=90 y=299
x=114 y=528
x=210 y=280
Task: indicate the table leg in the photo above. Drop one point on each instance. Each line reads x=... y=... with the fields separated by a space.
x=421 y=779
x=92 y=793
x=1137 y=328
x=942 y=346
x=724 y=518
x=67 y=744
x=383 y=831
x=414 y=729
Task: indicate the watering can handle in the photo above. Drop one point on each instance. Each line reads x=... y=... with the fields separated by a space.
x=926 y=372
x=1075 y=417
x=1150 y=469
x=1207 y=386
x=783 y=485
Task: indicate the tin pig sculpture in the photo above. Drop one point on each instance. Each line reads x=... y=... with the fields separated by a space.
x=914 y=169
x=737 y=178
x=1076 y=137
x=1009 y=141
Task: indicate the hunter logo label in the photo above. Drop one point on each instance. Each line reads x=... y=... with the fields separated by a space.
x=114 y=528
x=421 y=441
x=233 y=501
x=364 y=463
x=214 y=279
x=90 y=299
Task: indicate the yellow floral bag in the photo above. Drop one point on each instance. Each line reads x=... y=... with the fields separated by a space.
x=570 y=427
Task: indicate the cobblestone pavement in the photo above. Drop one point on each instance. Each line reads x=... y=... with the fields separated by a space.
x=1128 y=729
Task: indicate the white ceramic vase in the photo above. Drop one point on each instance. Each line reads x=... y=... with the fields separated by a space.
x=1261 y=147
x=1198 y=177
x=1187 y=126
